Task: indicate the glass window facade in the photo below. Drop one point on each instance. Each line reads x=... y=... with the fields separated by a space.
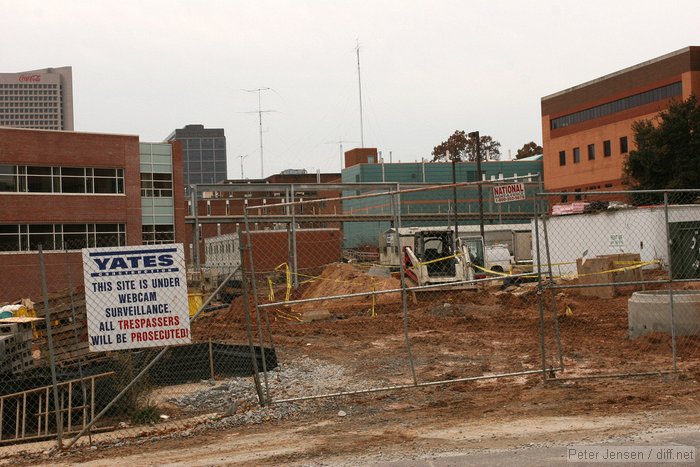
x=157 y=202
x=636 y=100
x=28 y=237
x=44 y=179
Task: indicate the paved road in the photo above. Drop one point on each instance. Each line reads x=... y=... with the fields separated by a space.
x=555 y=455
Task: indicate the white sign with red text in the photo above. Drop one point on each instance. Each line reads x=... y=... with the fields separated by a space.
x=510 y=192
x=136 y=297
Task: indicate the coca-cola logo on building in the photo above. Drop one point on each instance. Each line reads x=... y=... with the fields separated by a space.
x=29 y=78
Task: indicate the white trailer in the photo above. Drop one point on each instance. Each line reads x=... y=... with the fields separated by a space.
x=634 y=230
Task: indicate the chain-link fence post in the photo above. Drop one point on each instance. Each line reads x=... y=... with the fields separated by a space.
x=52 y=355
x=76 y=337
x=248 y=326
x=254 y=290
x=550 y=280
x=396 y=213
x=539 y=288
x=670 y=282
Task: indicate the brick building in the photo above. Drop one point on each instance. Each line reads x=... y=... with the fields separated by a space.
x=587 y=129
x=221 y=212
x=65 y=190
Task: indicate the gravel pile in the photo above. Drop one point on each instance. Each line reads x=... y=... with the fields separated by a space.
x=303 y=377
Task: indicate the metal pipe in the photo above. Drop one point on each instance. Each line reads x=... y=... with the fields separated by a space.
x=613 y=375
x=562 y=193
x=454 y=202
x=604 y=284
x=295 y=278
x=195 y=237
x=409 y=386
x=386 y=291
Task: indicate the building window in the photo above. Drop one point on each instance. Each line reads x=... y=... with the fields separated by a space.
x=623 y=145
x=647 y=97
x=156 y=185
x=577 y=197
x=606 y=148
x=562 y=157
x=158 y=234
x=591 y=152
x=577 y=155
x=28 y=237
x=42 y=179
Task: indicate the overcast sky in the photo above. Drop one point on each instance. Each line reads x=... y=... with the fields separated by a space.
x=428 y=67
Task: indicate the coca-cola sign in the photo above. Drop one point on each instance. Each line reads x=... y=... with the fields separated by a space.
x=30 y=78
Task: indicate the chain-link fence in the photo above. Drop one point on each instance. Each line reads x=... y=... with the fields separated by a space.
x=624 y=272
x=419 y=299
x=373 y=288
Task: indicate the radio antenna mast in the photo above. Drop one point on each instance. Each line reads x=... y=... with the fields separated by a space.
x=340 y=142
x=359 y=84
x=260 y=112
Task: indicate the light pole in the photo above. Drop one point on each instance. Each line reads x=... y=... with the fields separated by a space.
x=475 y=135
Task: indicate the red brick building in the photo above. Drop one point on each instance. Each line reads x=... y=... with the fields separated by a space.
x=587 y=129
x=66 y=190
x=229 y=206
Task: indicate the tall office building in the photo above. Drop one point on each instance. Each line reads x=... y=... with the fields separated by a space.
x=38 y=99
x=203 y=154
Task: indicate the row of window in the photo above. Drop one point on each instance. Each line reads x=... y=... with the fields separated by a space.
x=29 y=86
x=8 y=122
x=27 y=105
x=591 y=151
x=28 y=237
x=203 y=143
x=38 y=179
x=636 y=100
x=27 y=92
x=17 y=101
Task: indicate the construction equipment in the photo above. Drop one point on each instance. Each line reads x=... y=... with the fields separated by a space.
x=436 y=257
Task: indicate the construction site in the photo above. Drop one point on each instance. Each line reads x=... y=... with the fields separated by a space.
x=418 y=344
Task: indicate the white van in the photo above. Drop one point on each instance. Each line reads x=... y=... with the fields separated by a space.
x=498 y=258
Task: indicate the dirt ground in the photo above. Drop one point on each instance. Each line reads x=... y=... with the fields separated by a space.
x=453 y=335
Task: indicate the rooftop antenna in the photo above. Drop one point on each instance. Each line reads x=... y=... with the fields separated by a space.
x=359 y=84
x=340 y=142
x=241 y=157
x=260 y=112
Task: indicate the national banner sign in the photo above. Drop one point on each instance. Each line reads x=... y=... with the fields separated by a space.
x=136 y=297
x=510 y=192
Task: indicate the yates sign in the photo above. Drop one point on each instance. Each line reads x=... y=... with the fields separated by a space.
x=510 y=192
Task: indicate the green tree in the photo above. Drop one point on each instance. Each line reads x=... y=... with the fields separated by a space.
x=463 y=148
x=529 y=149
x=667 y=154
